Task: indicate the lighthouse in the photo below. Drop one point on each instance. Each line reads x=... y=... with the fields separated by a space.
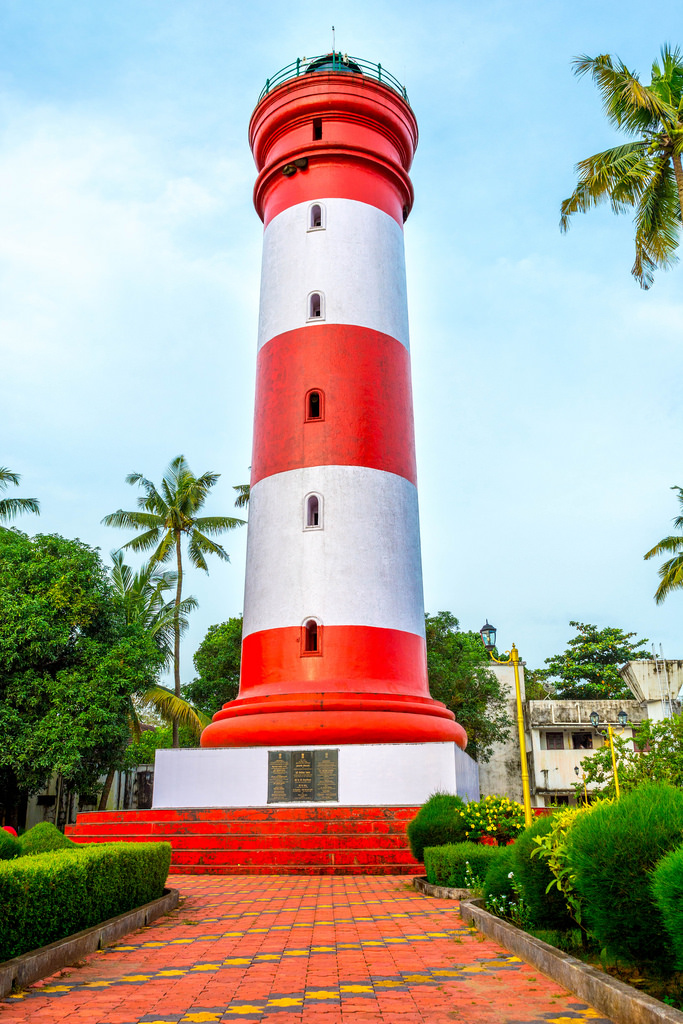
x=334 y=643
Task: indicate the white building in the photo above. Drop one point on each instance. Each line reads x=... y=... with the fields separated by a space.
x=560 y=733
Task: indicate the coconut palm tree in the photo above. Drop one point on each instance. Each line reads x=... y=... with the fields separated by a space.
x=11 y=507
x=165 y=516
x=243 y=494
x=671 y=571
x=644 y=174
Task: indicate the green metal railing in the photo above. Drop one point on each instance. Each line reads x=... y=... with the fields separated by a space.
x=334 y=62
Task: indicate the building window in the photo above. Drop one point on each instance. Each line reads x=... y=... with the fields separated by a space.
x=311 y=637
x=316 y=217
x=582 y=741
x=317 y=129
x=314 y=512
x=316 y=306
x=554 y=741
x=315 y=405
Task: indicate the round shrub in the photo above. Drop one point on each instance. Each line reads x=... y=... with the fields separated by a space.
x=437 y=823
x=667 y=888
x=547 y=907
x=43 y=838
x=10 y=846
x=493 y=817
x=497 y=882
x=612 y=851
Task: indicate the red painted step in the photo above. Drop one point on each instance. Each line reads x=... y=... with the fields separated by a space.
x=251 y=840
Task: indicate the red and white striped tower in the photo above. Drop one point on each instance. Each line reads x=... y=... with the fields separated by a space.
x=334 y=647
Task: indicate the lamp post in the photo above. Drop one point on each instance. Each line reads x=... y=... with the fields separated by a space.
x=583 y=779
x=488 y=636
x=595 y=721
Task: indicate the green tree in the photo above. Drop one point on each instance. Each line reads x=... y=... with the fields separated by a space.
x=460 y=677
x=645 y=173
x=589 y=668
x=166 y=516
x=670 y=571
x=655 y=754
x=143 y=750
x=68 y=666
x=12 y=507
x=217 y=660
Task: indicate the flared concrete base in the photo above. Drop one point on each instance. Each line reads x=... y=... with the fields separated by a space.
x=380 y=774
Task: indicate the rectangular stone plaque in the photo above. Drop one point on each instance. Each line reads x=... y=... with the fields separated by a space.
x=303 y=775
x=279 y=776
x=326 y=775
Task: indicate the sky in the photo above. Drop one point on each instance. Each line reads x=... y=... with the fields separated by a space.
x=546 y=382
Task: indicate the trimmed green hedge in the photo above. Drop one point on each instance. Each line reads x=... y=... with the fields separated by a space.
x=612 y=851
x=437 y=822
x=497 y=883
x=9 y=846
x=446 y=865
x=43 y=838
x=547 y=907
x=667 y=887
x=51 y=895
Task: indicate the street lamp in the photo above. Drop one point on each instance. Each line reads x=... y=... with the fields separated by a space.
x=583 y=779
x=488 y=637
x=595 y=721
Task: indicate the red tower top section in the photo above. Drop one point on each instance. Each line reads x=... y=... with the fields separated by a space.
x=306 y=133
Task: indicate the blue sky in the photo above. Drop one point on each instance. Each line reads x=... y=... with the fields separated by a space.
x=547 y=384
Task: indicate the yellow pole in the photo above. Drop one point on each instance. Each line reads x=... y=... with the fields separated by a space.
x=514 y=658
x=614 y=760
x=585 y=789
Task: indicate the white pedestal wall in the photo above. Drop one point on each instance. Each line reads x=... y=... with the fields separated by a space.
x=384 y=774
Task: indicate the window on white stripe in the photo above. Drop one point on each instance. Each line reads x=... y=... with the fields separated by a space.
x=314 y=512
x=316 y=217
x=316 y=306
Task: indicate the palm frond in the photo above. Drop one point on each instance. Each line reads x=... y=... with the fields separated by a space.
x=617 y=176
x=10 y=508
x=243 y=495
x=658 y=223
x=175 y=709
x=7 y=476
x=217 y=524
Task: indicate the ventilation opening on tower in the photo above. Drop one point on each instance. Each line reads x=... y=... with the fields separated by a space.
x=312 y=637
x=313 y=512
x=315 y=306
x=315 y=217
x=314 y=405
x=317 y=129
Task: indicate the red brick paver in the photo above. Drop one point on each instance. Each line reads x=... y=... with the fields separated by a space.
x=286 y=949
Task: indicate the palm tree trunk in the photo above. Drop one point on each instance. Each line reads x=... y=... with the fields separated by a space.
x=678 y=171
x=176 y=633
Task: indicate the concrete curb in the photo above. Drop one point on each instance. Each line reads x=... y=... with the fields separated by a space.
x=441 y=892
x=40 y=963
x=623 y=1003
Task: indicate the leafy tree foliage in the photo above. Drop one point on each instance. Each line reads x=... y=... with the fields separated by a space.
x=166 y=516
x=68 y=666
x=11 y=507
x=142 y=751
x=655 y=754
x=460 y=677
x=644 y=174
x=670 y=571
x=589 y=668
x=217 y=661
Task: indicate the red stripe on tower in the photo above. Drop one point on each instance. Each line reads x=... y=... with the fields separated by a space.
x=333 y=648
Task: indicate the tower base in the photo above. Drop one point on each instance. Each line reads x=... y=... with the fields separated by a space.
x=379 y=774
x=332 y=717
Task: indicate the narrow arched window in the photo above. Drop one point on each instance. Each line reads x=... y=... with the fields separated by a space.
x=317 y=128
x=311 y=637
x=315 y=217
x=315 y=405
x=313 y=519
x=316 y=307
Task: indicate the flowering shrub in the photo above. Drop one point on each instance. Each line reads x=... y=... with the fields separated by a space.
x=493 y=818
x=512 y=908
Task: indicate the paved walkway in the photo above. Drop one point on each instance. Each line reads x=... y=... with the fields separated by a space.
x=287 y=949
